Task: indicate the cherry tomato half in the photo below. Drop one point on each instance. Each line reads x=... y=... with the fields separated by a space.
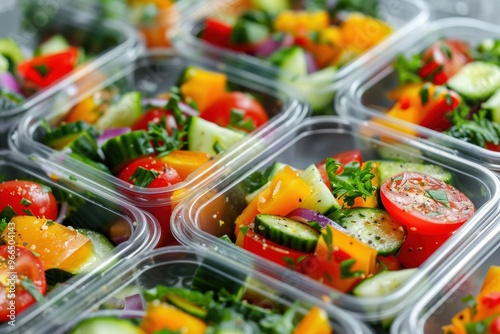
x=443 y=59
x=425 y=204
x=18 y=264
x=28 y=198
x=418 y=247
x=219 y=112
x=271 y=251
x=154 y=115
x=166 y=175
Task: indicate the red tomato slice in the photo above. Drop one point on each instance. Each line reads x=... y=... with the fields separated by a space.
x=154 y=115
x=28 y=198
x=219 y=112
x=24 y=264
x=167 y=175
x=269 y=250
x=344 y=158
x=418 y=247
x=495 y=326
x=425 y=204
x=443 y=59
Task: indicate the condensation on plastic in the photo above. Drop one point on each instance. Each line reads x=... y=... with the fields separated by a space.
x=403 y=15
x=28 y=22
x=201 y=219
x=445 y=298
x=101 y=212
x=175 y=266
x=152 y=74
x=367 y=97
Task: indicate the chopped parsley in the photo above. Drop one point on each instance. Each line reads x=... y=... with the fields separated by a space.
x=143 y=177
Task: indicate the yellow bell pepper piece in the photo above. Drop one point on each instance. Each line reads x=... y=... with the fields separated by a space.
x=185 y=162
x=163 y=316
x=203 y=87
x=315 y=321
x=361 y=32
x=298 y=21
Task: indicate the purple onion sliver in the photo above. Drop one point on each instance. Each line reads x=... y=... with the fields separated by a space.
x=111 y=133
x=307 y=215
x=62 y=212
x=310 y=62
x=8 y=82
x=133 y=303
x=271 y=44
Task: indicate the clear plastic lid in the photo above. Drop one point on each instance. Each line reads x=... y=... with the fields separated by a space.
x=404 y=16
x=129 y=229
x=200 y=220
x=175 y=266
x=29 y=23
x=153 y=74
x=448 y=296
x=367 y=97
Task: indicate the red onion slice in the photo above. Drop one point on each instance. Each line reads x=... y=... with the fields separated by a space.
x=133 y=303
x=159 y=102
x=267 y=47
x=111 y=133
x=63 y=209
x=306 y=215
x=8 y=82
x=310 y=62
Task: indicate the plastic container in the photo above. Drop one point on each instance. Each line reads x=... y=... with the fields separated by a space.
x=152 y=74
x=132 y=230
x=444 y=299
x=404 y=16
x=109 y=41
x=367 y=96
x=198 y=219
x=175 y=266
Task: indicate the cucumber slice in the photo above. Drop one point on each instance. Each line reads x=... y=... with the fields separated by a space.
x=101 y=249
x=102 y=167
x=10 y=49
x=203 y=136
x=287 y=232
x=56 y=43
x=106 y=325
x=66 y=129
x=120 y=150
x=77 y=137
x=123 y=113
x=186 y=306
x=321 y=199
x=388 y=169
x=400 y=152
x=383 y=283
x=291 y=60
x=271 y=6
x=476 y=81
x=374 y=227
x=246 y=31
x=493 y=103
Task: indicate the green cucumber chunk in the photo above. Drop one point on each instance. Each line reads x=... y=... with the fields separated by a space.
x=123 y=113
x=203 y=136
x=387 y=169
x=56 y=43
x=106 y=325
x=291 y=60
x=101 y=250
x=287 y=232
x=274 y=6
x=186 y=305
x=476 y=81
x=77 y=137
x=374 y=227
x=11 y=50
x=493 y=103
x=9 y=100
x=383 y=283
x=321 y=199
x=247 y=31
x=95 y=164
x=120 y=150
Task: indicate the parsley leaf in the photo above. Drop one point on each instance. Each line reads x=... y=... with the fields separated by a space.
x=407 y=69
x=439 y=196
x=478 y=131
x=42 y=69
x=236 y=120
x=29 y=286
x=345 y=269
x=143 y=177
x=353 y=182
x=327 y=235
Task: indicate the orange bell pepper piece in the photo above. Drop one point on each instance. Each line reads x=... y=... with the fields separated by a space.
x=487 y=305
x=315 y=321
x=361 y=32
x=58 y=246
x=334 y=247
x=251 y=210
x=297 y=21
x=288 y=190
x=164 y=316
x=185 y=162
x=203 y=87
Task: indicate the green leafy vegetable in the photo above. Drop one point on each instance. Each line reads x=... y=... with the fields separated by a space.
x=236 y=120
x=407 y=69
x=143 y=177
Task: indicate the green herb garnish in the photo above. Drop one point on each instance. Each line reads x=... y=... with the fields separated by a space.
x=143 y=177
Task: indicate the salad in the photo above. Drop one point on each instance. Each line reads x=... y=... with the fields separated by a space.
x=313 y=40
x=211 y=304
x=351 y=224
x=451 y=87
x=157 y=142
x=482 y=313
x=22 y=76
x=42 y=244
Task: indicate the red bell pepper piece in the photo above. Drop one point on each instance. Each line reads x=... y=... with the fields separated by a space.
x=45 y=70
x=217 y=32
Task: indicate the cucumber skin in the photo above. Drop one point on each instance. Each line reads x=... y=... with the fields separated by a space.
x=105 y=325
x=294 y=234
x=365 y=224
x=120 y=150
x=388 y=169
x=465 y=79
x=383 y=283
